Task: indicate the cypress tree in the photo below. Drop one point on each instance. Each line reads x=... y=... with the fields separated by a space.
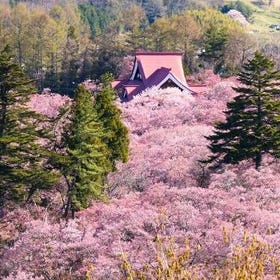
x=252 y=126
x=116 y=137
x=22 y=159
x=85 y=163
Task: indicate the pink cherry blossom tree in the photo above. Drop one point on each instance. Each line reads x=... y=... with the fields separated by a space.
x=162 y=190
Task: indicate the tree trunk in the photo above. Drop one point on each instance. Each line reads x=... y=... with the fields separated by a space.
x=68 y=206
x=258 y=160
x=3 y=119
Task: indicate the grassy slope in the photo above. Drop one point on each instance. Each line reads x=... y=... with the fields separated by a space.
x=263 y=16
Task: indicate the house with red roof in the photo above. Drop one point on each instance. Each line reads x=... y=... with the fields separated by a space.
x=153 y=69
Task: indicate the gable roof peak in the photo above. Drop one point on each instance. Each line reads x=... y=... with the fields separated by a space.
x=140 y=52
x=155 y=69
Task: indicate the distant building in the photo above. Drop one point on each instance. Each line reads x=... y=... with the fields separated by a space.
x=153 y=69
x=275 y=26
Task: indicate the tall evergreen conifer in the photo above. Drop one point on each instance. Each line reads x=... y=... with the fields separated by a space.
x=22 y=158
x=85 y=162
x=109 y=115
x=252 y=126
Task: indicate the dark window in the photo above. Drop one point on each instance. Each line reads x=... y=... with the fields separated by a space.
x=169 y=83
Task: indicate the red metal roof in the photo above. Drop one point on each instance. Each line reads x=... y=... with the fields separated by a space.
x=155 y=68
x=149 y=62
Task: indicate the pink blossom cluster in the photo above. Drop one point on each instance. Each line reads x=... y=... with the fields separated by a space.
x=238 y=16
x=48 y=103
x=163 y=189
x=126 y=67
x=130 y=224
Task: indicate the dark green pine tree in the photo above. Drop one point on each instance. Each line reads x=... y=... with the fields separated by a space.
x=252 y=126
x=215 y=41
x=85 y=161
x=23 y=168
x=116 y=136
